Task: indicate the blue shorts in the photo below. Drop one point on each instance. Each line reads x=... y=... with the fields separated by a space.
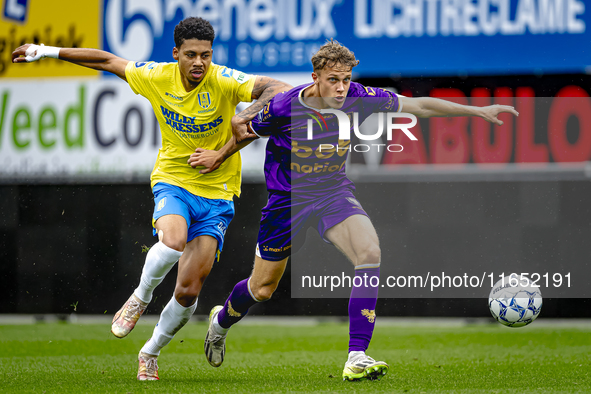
x=285 y=220
x=204 y=216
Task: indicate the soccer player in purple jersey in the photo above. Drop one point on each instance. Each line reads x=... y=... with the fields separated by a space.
x=308 y=187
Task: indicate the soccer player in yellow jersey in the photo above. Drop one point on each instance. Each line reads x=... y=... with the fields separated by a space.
x=194 y=101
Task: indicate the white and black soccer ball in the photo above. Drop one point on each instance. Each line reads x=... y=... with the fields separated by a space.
x=514 y=301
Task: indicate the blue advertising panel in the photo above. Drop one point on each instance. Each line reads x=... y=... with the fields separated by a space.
x=15 y=10
x=390 y=37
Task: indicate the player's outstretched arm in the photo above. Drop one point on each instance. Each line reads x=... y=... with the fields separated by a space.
x=426 y=107
x=264 y=90
x=91 y=58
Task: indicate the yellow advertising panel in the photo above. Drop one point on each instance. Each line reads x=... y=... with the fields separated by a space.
x=62 y=23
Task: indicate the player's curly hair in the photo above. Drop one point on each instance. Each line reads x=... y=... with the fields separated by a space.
x=193 y=27
x=333 y=53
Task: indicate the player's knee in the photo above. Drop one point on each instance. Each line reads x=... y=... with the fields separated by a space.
x=264 y=293
x=176 y=244
x=189 y=287
x=186 y=296
x=371 y=255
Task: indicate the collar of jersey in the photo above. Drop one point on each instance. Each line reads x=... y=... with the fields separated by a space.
x=301 y=99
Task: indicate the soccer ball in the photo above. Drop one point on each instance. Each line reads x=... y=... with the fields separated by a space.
x=514 y=301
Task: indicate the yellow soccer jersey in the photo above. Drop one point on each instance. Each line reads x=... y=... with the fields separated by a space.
x=189 y=120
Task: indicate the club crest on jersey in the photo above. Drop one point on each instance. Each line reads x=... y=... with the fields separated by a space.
x=161 y=204
x=204 y=100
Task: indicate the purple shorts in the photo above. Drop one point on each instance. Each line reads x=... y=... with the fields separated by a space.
x=286 y=218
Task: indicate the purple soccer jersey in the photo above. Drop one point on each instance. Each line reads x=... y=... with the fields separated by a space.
x=296 y=163
x=307 y=185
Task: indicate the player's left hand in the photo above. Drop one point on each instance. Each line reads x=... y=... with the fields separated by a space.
x=210 y=159
x=491 y=113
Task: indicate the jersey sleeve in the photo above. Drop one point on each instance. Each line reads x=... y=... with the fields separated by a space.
x=383 y=100
x=138 y=75
x=263 y=124
x=236 y=85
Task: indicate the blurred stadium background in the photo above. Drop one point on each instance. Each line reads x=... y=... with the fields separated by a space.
x=77 y=147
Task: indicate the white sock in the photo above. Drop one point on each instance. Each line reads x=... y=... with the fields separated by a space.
x=217 y=328
x=173 y=317
x=159 y=261
x=354 y=354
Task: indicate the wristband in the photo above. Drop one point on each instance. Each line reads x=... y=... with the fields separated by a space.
x=52 y=52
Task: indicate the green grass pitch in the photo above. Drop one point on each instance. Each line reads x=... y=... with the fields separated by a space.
x=73 y=358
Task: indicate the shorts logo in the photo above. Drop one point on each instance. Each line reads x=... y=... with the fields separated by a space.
x=140 y=64
x=353 y=201
x=275 y=250
x=222 y=228
x=204 y=100
x=161 y=204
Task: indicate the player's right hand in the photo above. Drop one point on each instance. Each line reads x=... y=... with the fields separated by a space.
x=210 y=159
x=34 y=52
x=27 y=53
x=242 y=131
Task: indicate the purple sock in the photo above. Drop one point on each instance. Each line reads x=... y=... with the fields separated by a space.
x=236 y=306
x=362 y=305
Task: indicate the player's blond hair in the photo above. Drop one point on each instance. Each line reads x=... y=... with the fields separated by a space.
x=331 y=54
